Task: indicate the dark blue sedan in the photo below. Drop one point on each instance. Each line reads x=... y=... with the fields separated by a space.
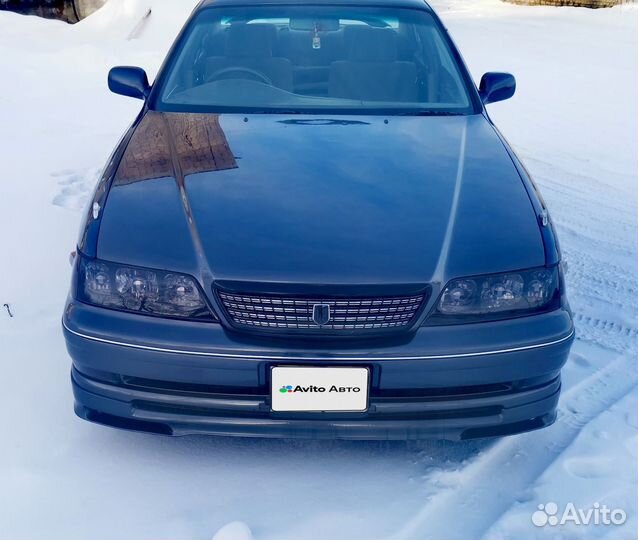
x=313 y=229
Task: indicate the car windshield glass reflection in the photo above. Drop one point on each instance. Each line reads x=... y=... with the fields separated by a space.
x=307 y=59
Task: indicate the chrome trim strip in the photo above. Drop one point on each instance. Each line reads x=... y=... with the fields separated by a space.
x=318 y=358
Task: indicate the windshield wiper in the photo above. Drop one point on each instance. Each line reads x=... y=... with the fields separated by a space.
x=430 y=113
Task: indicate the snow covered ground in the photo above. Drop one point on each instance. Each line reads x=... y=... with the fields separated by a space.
x=573 y=122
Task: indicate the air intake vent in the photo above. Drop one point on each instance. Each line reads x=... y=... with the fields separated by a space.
x=320 y=315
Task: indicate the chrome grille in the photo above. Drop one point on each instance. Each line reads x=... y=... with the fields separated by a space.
x=293 y=313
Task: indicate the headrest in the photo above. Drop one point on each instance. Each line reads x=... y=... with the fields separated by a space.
x=250 y=39
x=368 y=44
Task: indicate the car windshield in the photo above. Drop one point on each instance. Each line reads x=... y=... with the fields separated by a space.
x=313 y=59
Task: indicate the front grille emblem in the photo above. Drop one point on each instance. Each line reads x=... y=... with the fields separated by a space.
x=320 y=314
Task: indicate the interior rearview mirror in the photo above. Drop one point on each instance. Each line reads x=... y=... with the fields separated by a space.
x=129 y=81
x=497 y=87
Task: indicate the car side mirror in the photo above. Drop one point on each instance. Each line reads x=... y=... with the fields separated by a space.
x=129 y=81
x=497 y=87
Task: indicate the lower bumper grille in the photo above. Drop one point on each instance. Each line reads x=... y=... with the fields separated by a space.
x=317 y=314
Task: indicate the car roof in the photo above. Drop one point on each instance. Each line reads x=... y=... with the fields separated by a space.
x=421 y=4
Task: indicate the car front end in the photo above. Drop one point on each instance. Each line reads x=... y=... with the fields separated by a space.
x=336 y=270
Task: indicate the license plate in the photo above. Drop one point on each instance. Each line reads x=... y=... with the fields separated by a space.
x=319 y=389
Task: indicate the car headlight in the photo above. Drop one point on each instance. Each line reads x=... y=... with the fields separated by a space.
x=499 y=295
x=140 y=290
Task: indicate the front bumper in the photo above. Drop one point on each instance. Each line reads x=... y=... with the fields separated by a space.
x=452 y=382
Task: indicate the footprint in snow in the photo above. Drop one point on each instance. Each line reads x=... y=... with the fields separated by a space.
x=580 y=360
x=602 y=434
x=631 y=418
x=75 y=187
x=590 y=467
x=631 y=444
x=235 y=530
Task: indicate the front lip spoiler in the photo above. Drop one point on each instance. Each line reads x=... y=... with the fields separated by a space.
x=318 y=358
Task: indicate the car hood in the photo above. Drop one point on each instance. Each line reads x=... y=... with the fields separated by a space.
x=319 y=201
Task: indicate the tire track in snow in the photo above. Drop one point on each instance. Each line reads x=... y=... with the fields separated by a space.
x=495 y=480
x=607 y=326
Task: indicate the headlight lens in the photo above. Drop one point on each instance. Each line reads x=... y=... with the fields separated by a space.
x=513 y=292
x=140 y=290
